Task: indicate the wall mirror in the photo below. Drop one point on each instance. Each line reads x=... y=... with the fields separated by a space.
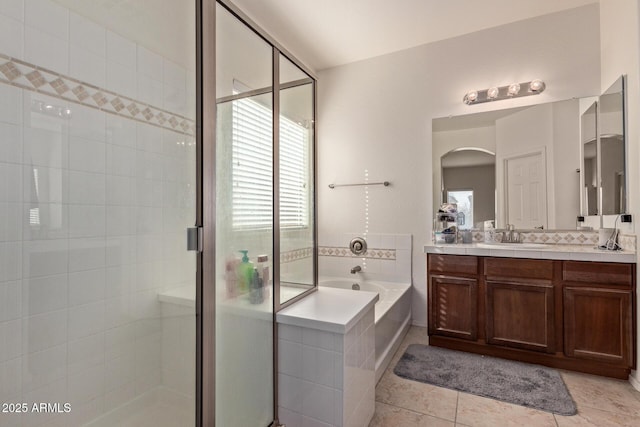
x=535 y=184
x=611 y=133
x=602 y=133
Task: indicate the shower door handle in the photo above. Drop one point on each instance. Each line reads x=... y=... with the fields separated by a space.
x=194 y=239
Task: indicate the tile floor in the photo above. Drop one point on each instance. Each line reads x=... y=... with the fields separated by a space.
x=601 y=402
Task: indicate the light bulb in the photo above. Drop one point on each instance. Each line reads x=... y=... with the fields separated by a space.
x=492 y=92
x=536 y=86
x=513 y=89
x=471 y=97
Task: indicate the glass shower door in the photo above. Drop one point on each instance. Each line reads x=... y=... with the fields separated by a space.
x=244 y=225
x=296 y=181
x=97 y=185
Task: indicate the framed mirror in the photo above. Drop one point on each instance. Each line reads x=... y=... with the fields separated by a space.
x=535 y=184
x=612 y=149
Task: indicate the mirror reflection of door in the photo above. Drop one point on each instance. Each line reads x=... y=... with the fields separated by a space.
x=526 y=195
x=468 y=179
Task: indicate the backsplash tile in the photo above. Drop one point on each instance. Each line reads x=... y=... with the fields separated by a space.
x=387 y=258
x=563 y=237
x=372 y=253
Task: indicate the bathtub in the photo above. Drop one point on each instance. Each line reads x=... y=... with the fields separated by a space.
x=392 y=315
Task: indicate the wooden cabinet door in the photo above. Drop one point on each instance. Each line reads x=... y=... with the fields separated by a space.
x=598 y=324
x=453 y=307
x=520 y=315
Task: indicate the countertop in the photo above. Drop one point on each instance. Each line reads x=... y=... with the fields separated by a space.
x=329 y=309
x=542 y=251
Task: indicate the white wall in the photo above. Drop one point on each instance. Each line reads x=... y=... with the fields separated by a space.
x=375 y=116
x=620 y=51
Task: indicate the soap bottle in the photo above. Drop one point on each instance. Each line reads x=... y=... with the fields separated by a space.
x=256 y=295
x=263 y=270
x=245 y=272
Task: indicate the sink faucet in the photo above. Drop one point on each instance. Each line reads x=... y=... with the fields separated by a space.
x=510 y=236
x=356 y=269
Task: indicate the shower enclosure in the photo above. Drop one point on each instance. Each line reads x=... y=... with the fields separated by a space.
x=264 y=208
x=108 y=153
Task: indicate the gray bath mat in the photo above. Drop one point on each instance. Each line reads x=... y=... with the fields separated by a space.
x=528 y=385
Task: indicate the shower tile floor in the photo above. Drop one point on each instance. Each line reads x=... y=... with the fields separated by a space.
x=157 y=408
x=601 y=402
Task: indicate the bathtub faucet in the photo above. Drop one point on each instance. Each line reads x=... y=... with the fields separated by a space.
x=356 y=269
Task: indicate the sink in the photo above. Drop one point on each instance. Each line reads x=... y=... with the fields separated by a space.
x=513 y=246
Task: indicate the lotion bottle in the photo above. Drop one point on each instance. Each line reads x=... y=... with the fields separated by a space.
x=245 y=272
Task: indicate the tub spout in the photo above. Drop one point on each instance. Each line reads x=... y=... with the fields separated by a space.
x=356 y=269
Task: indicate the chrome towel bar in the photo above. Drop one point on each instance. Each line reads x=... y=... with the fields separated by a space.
x=385 y=183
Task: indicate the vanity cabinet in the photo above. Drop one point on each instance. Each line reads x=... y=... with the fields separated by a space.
x=598 y=312
x=520 y=315
x=453 y=291
x=520 y=304
x=572 y=315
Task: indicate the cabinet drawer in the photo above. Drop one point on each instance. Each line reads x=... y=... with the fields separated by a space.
x=519 y=268
x=604 y=273
x=460 y=264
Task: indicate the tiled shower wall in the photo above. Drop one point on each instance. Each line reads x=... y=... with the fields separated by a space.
x=93 y=206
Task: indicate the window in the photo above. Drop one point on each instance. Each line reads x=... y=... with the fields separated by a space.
x=252 y=168
x=464 y=200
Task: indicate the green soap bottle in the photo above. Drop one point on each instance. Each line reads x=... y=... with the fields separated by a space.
x=245 y=272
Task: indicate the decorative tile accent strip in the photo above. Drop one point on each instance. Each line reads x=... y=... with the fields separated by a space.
x=628 y=242
x=372 y=253
x=295 y=255
x=37 y=79
x=578 y=237
x=552 y=237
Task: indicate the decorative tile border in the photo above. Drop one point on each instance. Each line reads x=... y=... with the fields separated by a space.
x=37 y=79
x=628 y=242
x=372 y=253
x=561 y=237
x=295 y=255
x=578 y=237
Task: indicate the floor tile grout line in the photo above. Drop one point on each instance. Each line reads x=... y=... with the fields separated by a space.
x=415 y=412
x=455 y=415
x=626 y=414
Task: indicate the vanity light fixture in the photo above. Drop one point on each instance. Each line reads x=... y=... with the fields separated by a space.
x=495 y=93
